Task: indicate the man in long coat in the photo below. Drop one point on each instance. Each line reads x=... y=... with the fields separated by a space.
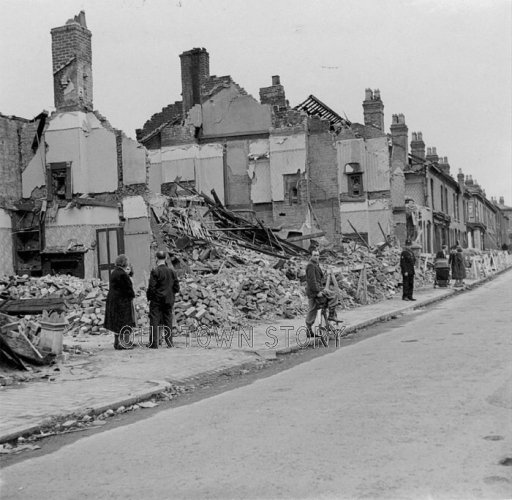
x=407 y=262
x=162 y=288
x=119 y=305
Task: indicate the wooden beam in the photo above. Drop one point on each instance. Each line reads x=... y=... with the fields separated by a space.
x=306 y=236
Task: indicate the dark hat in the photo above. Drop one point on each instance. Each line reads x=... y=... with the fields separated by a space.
x=160 y=255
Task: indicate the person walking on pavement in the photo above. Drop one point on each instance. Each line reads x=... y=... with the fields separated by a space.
x=407 y=262
x=162 y=288
x=119 y=304
x=458 y=267
x=317 y=296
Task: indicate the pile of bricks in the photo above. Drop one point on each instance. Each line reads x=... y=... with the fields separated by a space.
x=85 y=299
x=252 y=288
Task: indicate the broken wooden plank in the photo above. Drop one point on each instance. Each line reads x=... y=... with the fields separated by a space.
x=33 y=306
x=93 y=202
x=360 y=237
x=305 y=237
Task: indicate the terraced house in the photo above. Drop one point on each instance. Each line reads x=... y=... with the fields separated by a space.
x=300 y=170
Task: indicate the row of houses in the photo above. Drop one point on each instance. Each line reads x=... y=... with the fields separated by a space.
x=75 y=191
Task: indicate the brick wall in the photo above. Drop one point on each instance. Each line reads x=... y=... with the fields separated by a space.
x=323 y=170
x=274 y=95
x=16 y=137
x=72 y=67
x=170 y=113
x=173 y=135
x=327 y=214
x=195 y=70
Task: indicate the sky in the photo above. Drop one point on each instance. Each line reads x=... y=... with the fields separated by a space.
x=445 y=64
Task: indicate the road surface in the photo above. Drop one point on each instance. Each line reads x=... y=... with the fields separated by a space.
x=423 y=410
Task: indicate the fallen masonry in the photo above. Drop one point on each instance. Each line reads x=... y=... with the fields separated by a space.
x=251 y=287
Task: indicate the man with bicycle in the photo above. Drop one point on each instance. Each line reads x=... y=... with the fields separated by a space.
x=318 y=296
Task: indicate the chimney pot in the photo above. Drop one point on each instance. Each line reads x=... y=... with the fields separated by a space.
x=502 y=200
x=434 y=150
x=414 y=136
x=420 y=136
x=368 y=95
x=376 y=94
x=276 y=80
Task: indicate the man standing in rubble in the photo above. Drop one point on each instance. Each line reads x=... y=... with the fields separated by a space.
x=162 y=288
x=318 y=297
x=407 y=262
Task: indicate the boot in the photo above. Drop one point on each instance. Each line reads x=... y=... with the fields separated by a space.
x=122 y=344
x=309 y=331
x=332 y=315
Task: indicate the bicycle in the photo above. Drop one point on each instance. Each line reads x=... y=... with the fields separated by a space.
x=328 y=328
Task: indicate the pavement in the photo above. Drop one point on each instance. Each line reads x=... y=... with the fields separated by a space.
x=108 y=379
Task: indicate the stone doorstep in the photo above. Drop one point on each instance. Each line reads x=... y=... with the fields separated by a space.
x=163 y=385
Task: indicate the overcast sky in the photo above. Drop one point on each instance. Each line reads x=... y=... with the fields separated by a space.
x=445 y=64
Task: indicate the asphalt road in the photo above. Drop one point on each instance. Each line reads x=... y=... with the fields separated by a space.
x=422 y=411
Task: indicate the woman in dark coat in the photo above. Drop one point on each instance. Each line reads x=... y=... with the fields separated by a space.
x=119 y=308
x=458 y=267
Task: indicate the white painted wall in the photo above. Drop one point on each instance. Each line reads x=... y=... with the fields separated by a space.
x=134 y=162
x=85 y=216
x=81 y=139
x=202 y=163
x=287 y=155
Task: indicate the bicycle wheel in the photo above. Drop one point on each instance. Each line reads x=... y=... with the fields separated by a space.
x=324 y=329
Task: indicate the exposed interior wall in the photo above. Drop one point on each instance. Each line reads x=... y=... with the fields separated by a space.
x=76 y=225
x=237 y=181
x=210 y=169
x=134 y=162
x=192 y=162
x=287 y=156
x=372 y=156
x=79 y=138
x=229 y=112
x=365 y=216
x=6 y=255
x=259 y=171
x=137 y=237
x=155 y=171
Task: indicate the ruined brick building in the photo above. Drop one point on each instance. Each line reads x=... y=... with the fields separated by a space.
x=75 y=192
x=75 y=187
x=301 y=169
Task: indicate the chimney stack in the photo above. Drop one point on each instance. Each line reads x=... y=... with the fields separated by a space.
x=444 y=165
x=274 y=95
x=72 y=65
x=460 y=177
x=417 y=145
x=432 y=155
x=399 y=138
x=195 y=70
x=373 y=109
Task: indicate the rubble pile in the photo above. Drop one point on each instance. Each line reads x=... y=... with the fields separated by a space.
x=85 y=299
x=383 y=276
x=233 y=296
